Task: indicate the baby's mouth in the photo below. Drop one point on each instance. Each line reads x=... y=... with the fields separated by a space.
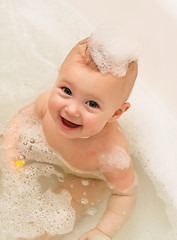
x=69 y=124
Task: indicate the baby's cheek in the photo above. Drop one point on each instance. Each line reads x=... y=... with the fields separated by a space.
x=93 y=124
x=53 y=104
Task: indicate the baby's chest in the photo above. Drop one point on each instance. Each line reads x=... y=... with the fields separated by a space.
x=80 y=157
x=84 y=155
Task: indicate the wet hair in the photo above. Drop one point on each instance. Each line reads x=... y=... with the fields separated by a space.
x=85 y=58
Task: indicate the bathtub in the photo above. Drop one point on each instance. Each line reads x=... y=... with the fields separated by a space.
x=37 y=35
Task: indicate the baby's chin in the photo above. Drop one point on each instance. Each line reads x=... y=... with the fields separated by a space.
x=74 y=136
x=85 y=137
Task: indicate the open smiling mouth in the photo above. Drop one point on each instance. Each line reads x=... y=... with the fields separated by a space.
x=69 y=124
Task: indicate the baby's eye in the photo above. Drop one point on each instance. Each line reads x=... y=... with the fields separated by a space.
x=92 y=104
x=66 y=90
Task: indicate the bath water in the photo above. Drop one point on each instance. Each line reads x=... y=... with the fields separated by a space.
x=33 y=45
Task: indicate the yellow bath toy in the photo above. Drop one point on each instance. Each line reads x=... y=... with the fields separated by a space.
x=19 y=165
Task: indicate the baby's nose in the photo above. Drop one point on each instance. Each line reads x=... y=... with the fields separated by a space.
x=72 y=109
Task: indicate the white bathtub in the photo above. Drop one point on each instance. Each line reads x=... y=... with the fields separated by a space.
x=37 y=35
x=156 y=22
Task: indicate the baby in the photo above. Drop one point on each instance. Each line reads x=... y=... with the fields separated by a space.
x=79 y=122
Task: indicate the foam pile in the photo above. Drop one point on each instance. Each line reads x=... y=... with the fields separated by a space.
x=112 y=49
x=30 y=210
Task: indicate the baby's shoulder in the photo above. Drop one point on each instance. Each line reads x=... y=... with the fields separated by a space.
x=41 y=104
x=115 y=160
x=116 y=146
x=115 y=136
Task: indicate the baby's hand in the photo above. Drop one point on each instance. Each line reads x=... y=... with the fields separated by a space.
x=94 y=234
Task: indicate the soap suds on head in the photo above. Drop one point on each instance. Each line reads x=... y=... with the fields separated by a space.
x=112 y=49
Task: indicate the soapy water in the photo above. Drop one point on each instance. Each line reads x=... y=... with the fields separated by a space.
x=26 y=211
x=52 y=210
x=30 y=203
x=159 y=165
x=101 y=237
x=32 y=59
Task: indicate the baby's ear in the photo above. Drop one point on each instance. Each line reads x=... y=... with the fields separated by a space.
x=119 y=112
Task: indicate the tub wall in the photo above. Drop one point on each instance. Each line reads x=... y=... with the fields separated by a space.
x=155 y=21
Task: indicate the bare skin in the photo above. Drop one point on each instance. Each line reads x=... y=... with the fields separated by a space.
x=79 y=118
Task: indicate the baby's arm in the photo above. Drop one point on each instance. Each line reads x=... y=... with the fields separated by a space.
x=120 y=203
x=10 y=141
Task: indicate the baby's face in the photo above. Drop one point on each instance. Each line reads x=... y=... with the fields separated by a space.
x=83 y=101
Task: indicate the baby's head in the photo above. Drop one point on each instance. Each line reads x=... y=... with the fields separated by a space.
x=112 y=53
x=93 y=85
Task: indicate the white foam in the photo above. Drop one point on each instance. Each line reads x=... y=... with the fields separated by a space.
x=85 y=182
x=84 y=201
x=112 y=49
x=118 y=158
x=28 y=209
x=152 y=136
x=91 y=211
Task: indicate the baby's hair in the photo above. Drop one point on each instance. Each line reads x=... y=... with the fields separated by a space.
x=86 y=58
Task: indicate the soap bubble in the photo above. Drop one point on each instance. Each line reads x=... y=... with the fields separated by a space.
x=112 y=49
